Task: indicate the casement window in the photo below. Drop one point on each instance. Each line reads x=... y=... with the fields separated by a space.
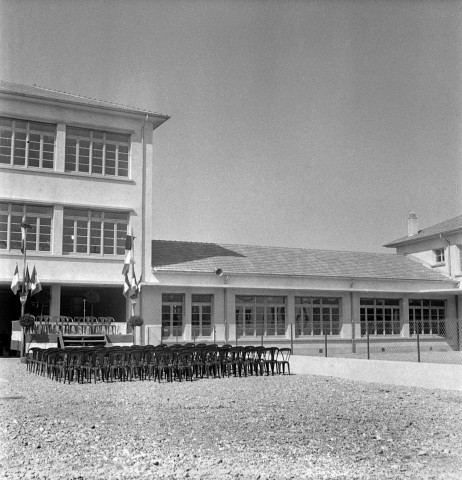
x=97 y=152
x=172 y=315
x=201 y=315
x=94 y=232
x=439 y=255
x=27 y=144
x=379 y=316
x=39 y=218
x=428 y=317
x=260 y=316
x=317 y=316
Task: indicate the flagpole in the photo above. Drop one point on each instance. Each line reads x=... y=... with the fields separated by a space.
x=133 y=300
x=23 y=295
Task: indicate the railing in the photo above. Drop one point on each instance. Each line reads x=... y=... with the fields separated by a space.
x=77 y=325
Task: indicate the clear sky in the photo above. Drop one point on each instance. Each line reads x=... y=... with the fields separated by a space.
x=315 y=124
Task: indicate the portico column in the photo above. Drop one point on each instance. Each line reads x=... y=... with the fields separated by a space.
x=55 y=300
x=404 y=319
x=187 y=332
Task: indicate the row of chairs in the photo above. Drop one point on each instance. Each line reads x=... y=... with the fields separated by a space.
x=75 y=325
x=176 y=362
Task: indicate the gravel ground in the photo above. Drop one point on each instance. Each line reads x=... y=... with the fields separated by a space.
x=298 y=426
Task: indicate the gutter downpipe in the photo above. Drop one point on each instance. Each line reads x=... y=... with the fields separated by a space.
x=143 y=213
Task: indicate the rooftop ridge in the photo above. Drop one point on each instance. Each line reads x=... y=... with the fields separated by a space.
x=277 y=247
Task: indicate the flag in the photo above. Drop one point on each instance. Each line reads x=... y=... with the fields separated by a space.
x=27 y=280
x=127 y=285
x=133 y=286
x=128 y=254
x=24 y=226
x=35 y=284
x=15 y=282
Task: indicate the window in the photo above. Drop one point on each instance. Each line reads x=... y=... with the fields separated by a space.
x=427 y=317
x=379 y=316
x=172 y=315
x=97 y=152
x=317 y=316
x=259 y=316
x=94 y=232
x=38 y=217
x=201 y=315
x=26 y=144
x=439 y=255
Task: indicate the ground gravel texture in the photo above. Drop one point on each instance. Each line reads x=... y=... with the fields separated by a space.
x=281 y=427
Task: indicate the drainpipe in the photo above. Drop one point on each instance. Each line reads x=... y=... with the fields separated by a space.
x=449 y=254
x=143 y=213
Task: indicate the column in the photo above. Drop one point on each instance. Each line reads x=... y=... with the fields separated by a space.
x=60 y=147
x=404 y=318
x=55 y=300
x=290 y=315
x=187 y=315
x=57 y=230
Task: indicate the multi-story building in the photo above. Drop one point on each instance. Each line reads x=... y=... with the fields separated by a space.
x=438 y=247
x=80 y=172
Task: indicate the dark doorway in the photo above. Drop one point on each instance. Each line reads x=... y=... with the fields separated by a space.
x=109 y=302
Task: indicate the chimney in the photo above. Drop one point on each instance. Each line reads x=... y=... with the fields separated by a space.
x=412 y=225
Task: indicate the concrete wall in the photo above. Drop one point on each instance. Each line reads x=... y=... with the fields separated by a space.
x=409 y=374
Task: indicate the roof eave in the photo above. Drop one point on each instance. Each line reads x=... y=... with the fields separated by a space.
x=112 y=108
x=323 y=277
x=416 y=238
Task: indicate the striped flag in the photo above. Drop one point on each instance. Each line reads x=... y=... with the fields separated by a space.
x=128 y=254
x=27 y=280
x=15 y=282
x=35 y=284
x=127 y=286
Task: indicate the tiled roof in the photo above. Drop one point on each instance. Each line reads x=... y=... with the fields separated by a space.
x=174 y=256
x=453 y=224
x=36 y=91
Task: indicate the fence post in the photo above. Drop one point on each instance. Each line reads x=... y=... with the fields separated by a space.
x=367 y=337
x=325 y=342
x=418 y=341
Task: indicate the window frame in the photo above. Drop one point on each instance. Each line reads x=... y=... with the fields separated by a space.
x=272 y=315
x=95 y=137
x=196 y=303
x=423 y=315
x=169 y=310
x=440 y=256
x=83 y=229
x=28 y=142
x=305 y=314
x=41 y=223
x=380 y=316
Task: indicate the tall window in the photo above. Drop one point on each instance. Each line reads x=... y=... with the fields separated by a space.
x=172 y=315
x=97 y=152
x=379 y=316
x=38 y=217
x=27 y=144
x=428 y=317
x=201 y=315
x=258 y=316
x=317 y=316
x=94 y=232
